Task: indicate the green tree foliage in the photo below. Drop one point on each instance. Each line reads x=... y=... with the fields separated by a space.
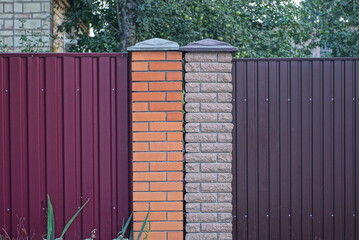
x=260 y=28
x=334 y=25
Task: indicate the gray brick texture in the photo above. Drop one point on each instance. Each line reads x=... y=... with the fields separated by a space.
x=208 y=84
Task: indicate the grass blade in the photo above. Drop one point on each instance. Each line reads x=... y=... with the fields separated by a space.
x=72 y=219
x=143 y=226
x=124 y=228
x=50 y=220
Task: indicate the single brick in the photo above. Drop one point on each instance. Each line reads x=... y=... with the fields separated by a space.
x=166 y=206
x=175 y=136
x=225 y=236
x=149 y=196
x=174 y=116
x=166 y=126
x=174 y=96
x=201 y=217
x=148 y=96
x=217 y=227
x=225 y=137
x=201 y=177
x=149 y=136
x=192 y=127
x=153 y=216
x=224 y=77
x=166 y=186
x=192 y=107
x=225 y=117
x=139 y=87
x=166 y=146
x=225 y=217
x=193 y=207
x=216 y=167
x=192 y=147
x=175 y=156
x=225 y=97
x=201 y=77
x=174 y=76
x=149 y=156
x=141 y=206
x=193 y=227
x=225 y=157
x=217 y=187
x=163 y=226
x=201 y=197
x=166 y=106
x=201 y=117
x=174 y=176
x=140 y=167
x=193 y=67
x=154 y=66
x=141 y=186
x=174 y=235
x=193 y=167
x=192 y=187
x=166 y=166
x=138 y=107
x=216 y=67
x=148 y=116
x=149 y=176
x=225 y=57
x=192 y=87
x=216 y=147
x=201 y=97
x=175 y=216
x=216 y=107
x=139 y=66
x=225 y=197
x=174 y=55
x=143 y=56
x=201 y=157
x=201 y=137
x=206 y=236
x=139 y=127
x=140 y=147
x=217 y=87
x=216 y=207
x=148 y=76
x=201 y=57
x=217 y=127
x=166 y=86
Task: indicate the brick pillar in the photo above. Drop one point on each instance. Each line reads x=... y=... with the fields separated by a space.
x=157 y=125
x=208 y=140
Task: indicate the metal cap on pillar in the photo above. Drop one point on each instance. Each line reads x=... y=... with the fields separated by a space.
x=155 y=44
x=209 y=45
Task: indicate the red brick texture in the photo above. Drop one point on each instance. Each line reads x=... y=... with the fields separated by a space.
x=157 y=125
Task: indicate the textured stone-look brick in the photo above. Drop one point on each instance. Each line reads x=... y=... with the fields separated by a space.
x=157 y=143
x=208 y=126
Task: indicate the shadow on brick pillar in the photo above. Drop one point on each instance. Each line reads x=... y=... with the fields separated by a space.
x=157 y=135
x=208 y=139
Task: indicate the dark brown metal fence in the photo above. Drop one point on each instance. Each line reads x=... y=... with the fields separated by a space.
x=64 y=132
x=297 y=149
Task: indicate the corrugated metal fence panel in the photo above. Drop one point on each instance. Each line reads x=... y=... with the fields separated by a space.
x=64 y=131
x=297 y=139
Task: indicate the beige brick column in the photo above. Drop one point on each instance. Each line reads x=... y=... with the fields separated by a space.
x=208 y=140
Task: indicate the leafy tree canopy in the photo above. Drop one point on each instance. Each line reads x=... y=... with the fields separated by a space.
x=334 y=25
x=259 y=28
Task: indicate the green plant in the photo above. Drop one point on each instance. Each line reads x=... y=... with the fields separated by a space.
x=33 y=41
x=51 y=221
x=144 y=228
x=21 y=232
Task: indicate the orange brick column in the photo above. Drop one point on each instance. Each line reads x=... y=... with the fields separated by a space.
x=157 y=125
